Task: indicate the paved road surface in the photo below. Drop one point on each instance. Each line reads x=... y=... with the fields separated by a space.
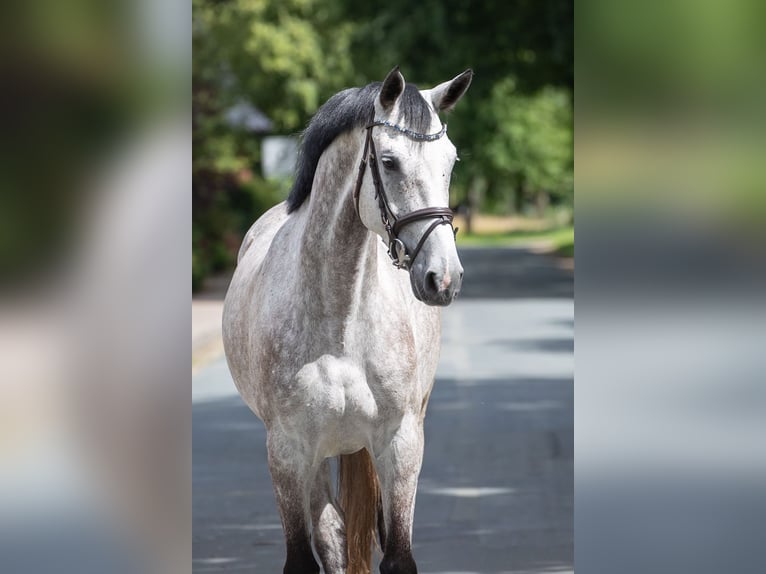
x=496 y=489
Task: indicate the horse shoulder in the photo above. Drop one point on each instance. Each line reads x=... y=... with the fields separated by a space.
x=264 y=229
x=252 y=253
x=239 y=296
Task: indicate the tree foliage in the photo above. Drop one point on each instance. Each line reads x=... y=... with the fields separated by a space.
x=521 y=52
x=531 y=146
x=286 y=57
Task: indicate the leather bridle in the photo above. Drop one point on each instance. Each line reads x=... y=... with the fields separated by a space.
x=393 y=225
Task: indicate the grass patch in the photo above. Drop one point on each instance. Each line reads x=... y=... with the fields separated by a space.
x=560 y=240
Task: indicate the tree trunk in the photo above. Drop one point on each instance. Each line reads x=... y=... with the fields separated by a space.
x=475 y=194
x=542 y=199
x=518 y=195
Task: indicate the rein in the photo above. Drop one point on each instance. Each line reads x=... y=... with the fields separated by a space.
x=393 y=225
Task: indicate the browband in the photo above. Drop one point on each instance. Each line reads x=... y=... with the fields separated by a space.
x=409 y=133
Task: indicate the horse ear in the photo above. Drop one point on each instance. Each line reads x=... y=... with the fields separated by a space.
x=392 y=88
x=446 y=95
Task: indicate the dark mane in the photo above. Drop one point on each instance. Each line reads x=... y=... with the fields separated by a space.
x=346 y=110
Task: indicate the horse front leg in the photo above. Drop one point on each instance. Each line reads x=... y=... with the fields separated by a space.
x=292 y=476
x=398 y=467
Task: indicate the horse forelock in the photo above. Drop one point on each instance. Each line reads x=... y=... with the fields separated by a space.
x=344 y=111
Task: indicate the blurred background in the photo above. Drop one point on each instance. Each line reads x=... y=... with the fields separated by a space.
x=95 y=177
x=670 y=400
x=263 y=67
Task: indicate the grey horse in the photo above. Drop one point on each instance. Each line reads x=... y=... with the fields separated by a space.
x=333 y=336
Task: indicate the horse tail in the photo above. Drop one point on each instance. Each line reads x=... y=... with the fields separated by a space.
x=359 y=492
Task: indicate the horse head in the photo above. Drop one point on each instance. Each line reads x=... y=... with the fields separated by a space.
x=406 y=201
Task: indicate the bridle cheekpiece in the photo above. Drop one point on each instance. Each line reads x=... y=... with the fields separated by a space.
x=392 y=224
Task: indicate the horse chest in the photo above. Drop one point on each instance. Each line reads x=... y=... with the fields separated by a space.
x=357 y=384
x=333 y=401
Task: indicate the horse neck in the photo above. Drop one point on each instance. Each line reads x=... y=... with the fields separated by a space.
x=338 y=253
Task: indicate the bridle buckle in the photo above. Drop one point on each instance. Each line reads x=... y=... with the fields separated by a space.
x=398 y=254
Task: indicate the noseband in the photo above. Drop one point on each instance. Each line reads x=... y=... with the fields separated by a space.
x=393 y=225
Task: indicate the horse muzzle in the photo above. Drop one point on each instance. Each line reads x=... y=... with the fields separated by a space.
x=438 y=287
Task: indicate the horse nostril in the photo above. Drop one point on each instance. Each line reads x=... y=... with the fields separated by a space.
x=432 y=284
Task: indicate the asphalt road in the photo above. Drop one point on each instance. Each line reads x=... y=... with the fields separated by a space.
x=496 y=489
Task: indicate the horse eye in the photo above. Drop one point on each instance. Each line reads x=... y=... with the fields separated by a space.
x=388 y=162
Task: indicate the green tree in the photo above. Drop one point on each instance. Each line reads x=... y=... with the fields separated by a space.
x=531 y=147
x=527 y=40
x=286 y=57
x=282 y=56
